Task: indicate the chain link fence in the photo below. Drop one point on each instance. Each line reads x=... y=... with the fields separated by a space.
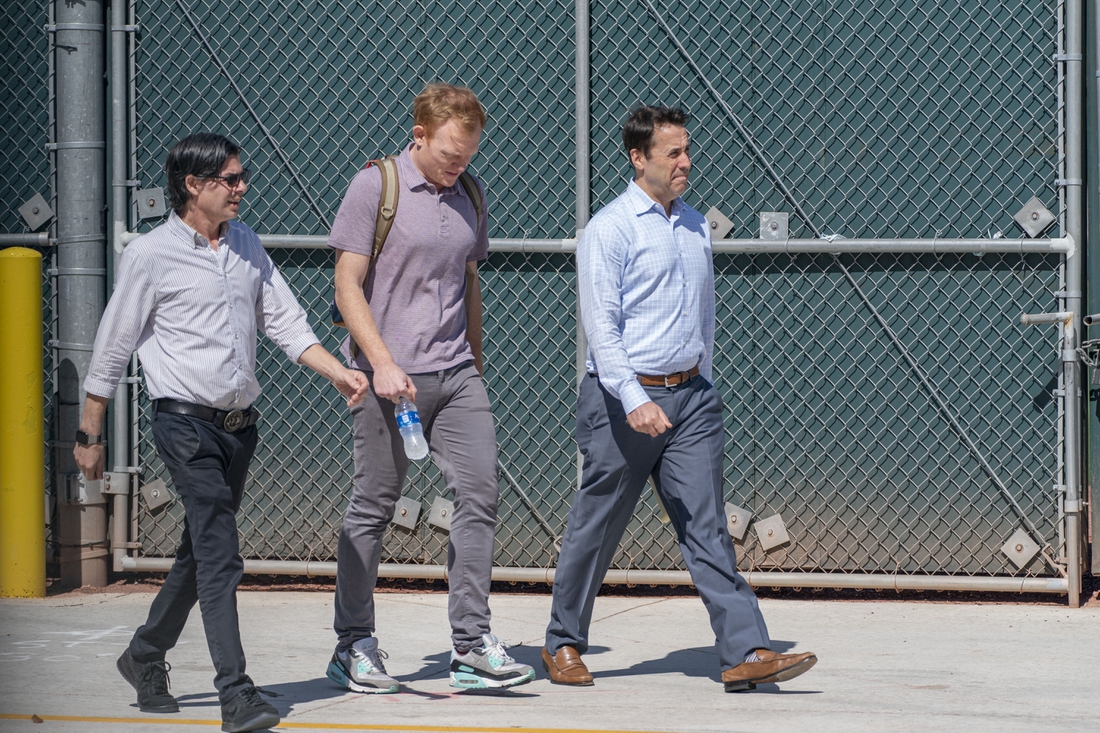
x=916 y=455
x=25 y=169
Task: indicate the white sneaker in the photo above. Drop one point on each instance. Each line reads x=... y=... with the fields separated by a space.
x=360 y=668
x=488 y=666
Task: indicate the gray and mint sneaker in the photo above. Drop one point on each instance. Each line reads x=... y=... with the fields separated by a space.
x=360 y=668
x=488 y=667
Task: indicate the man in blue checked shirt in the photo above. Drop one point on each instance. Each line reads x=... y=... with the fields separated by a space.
x=648 y=408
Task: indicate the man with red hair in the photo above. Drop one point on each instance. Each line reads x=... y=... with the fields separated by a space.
x=414 y=318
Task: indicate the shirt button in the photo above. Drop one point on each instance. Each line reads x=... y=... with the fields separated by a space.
x=236 y=336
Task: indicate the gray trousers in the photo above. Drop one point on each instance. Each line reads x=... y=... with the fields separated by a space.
x=686 y=465
x=458 y=424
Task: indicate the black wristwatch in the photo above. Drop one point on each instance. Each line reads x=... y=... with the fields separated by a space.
x=85 y=439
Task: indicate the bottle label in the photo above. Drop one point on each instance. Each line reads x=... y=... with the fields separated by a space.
x=406 y=419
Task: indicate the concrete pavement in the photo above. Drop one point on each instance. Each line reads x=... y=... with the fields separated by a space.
x=884 y=666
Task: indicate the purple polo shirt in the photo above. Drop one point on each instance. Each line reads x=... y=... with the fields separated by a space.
x=417 y=288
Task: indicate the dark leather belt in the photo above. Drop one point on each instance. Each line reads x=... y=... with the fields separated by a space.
x=229 y=420
x=668 y=380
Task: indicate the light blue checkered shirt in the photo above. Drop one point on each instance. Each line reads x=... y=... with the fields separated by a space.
x=647 y=293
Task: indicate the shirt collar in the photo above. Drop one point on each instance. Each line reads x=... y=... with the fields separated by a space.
x=181 y=228
x=643 y=204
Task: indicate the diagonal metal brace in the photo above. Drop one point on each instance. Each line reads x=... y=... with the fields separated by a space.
x=270 y=138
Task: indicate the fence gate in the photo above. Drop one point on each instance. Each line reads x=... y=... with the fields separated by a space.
x=866 y=166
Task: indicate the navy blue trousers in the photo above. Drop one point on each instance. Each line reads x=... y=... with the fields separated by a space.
x=208 y=467
x=686 y=465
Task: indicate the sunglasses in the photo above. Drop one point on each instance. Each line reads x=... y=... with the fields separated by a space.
x=234 y=179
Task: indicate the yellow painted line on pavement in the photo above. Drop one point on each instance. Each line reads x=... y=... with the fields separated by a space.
x=317 y=726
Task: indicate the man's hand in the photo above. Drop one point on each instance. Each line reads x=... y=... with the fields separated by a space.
x=391 y=383
x=89 y=459
x=352 y=383
x=649 y=419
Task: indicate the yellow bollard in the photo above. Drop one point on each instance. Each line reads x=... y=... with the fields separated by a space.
x=22 y=502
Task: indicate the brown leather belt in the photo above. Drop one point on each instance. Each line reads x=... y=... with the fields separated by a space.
x=669 y=380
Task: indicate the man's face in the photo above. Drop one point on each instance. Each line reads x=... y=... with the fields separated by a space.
x=444 y=156
x=663 y=174
x=213 y=197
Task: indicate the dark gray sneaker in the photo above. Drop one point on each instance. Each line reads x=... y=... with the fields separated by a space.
x=247 y=711
x=150 y=679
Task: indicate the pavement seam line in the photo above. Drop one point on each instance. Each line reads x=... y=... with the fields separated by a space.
x=317 y=726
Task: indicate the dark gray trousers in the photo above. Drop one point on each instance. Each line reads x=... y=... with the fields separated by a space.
x=458 y=424
x=686 y=465
x=208 y=467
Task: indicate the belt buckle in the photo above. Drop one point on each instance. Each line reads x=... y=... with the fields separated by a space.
x=667 y=385
x=233 y=421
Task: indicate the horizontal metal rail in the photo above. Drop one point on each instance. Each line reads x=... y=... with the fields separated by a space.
x=1061 y=245
x=42 y=239
x=317 y=569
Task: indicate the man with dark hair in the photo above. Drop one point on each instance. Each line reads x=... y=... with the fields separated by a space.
x=189 y=296
x=414 y=316
x=648 y=409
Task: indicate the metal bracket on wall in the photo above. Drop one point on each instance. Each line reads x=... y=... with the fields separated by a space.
x=719 y=223
x=35 y=211
x=1020 y=548
x=772 y=533
x=774 y=225
x=156 y=495
x=1033 y=217
x=150 y=203
x=737 y=521
x=405 y=513
x=439 y=516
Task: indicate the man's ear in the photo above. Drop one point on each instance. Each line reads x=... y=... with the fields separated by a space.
x=193 y=185
x=637 y=159
x=420 y=135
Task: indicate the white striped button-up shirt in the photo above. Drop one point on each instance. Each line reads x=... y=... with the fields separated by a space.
x=192 y=313
x=646 y=286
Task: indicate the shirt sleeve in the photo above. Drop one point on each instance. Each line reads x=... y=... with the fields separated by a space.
x=706 y=310
x=353 y=228
x=124 y=320
x=279 y=315
x=601 y=260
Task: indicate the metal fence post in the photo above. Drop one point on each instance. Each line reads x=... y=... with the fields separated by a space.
x=1074 y=229
x=81 y=148
x=1092 y=250
x=584 y=168
x=120 y=426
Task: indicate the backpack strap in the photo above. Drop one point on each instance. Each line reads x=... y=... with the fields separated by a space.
x=387 y=206
x=383 y=222
x=472 y=190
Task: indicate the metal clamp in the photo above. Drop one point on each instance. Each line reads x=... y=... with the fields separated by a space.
x=78 y=238
x=78 y=145
x=1067 y=57
x=87 y=271
x=1063 y=182
x=69 y=346
x=126 y=28
x=55 y=27
x=1072 y=506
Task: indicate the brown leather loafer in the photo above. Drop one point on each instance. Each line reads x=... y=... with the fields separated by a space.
x=772 y=667
x=566 y=667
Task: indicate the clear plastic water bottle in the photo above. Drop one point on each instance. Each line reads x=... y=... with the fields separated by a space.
x=408 y=422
